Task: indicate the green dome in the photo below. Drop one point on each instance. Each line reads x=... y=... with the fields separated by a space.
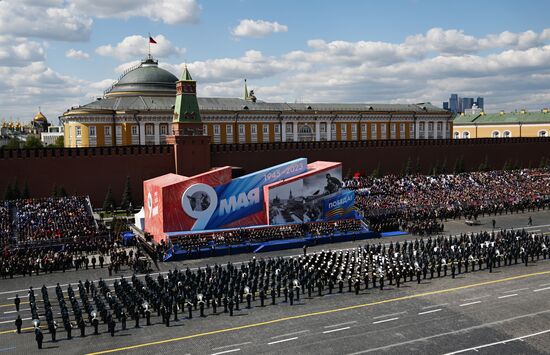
x=146 y=79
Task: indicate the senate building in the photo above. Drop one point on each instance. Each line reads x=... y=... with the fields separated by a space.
x=139 y=108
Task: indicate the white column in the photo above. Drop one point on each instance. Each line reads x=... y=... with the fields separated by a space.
x=295 y=131
x=157 y=133
x=417 y=130
x=329 y=130
x=435 y=129
x=283 y=131
x=317 y=131
x=142 y=133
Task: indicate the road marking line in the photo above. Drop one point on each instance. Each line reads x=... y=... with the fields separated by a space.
x=13 y=320
x=535 y=230
x=385 y=320
x=329 y=311
x=516 y=290
x=339 y=324
x=458 y=331
x=11 y=304
x=544 y=285
x=435 y=305
x=282 y=341
x=431 y=311
x=227 y=351
x=541 y=289
x=469 y=304
x=506 y=296
x=475 y=348
x=288 y=334
x=476 y=298
x=231 y=346
x=390 y=315
x=335 y=330
x=21 y=310
x=6 y=349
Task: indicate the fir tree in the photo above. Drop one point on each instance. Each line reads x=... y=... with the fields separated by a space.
x=61 y=192
x=25 y=193
x=127 y=195
x=109 y=202
x=16 y=191
x=8 y=195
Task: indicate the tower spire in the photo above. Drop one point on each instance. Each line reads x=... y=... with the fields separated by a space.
x=245 y=90
x=186 y=109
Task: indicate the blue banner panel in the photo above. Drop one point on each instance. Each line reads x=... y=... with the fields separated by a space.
x=243 y=196
x=339 y=206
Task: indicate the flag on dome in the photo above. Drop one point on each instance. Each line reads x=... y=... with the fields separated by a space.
x=152 y=40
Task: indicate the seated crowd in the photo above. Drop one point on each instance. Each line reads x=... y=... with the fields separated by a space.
x=53 y=218
x=242 y=236
x=419 y=203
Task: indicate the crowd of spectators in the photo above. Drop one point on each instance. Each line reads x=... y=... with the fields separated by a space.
x=419 y=203
x=5 y=224
x=53 y=218
x=257 y=235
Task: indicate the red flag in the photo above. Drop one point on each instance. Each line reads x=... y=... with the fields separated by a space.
x=151 y=40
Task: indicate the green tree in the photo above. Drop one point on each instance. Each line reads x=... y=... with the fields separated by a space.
x=16 y=191
x=33 y=142
x=13 y=143
x=127 y=195
x=61 y=192
x=58 y=143
x=25 y=193
x=55 y=191
x=109 y=202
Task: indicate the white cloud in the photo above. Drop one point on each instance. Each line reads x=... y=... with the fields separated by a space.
x=76 y=54
x=168 y=11
x=137 y=46
x=51 y=19
x=257 y=28
x=19 y=52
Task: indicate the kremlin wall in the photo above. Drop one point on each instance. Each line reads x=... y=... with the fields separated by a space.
x=92 y=170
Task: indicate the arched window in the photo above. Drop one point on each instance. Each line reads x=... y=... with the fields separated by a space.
x=496 y=134
x=457 y=135
x=543 y=134
x=466 y=135
x=507 y=134
x=305 y=133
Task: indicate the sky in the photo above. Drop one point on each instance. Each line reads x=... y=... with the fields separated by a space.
x=56 y=54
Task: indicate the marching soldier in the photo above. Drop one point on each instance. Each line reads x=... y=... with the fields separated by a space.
x=17 y=302
x=39 y=337
x=18 y=324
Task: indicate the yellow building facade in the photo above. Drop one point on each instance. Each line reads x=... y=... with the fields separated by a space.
x=503 y=125
x=138 y=110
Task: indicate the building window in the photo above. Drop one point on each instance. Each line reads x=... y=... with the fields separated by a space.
x=107 y=131
x=343 y=128
x=466 y=135
x=383 y=131
x=421 y=126
x=323 y=128
x=78 y=131
x=205 y=129
x=496 y=134
x=216 y=129
x=353 y=128
x=411 y=131
x=363 y=131
x=254 y=133
x=265 y=129
x=393 y=128
x=118 y=131
x=241 y=129
x=374 y=131
x=92 y=131
x=277 y=131
x=543 y=134
x=457 y=135
x=163 y=129
x=289 y=127
x=134 y=130
x=439 y=126
x=149 y=129
x=229 y=130
x=402 y=130
x=507 y=134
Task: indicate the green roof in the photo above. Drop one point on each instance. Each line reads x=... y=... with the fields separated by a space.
x=506 y=118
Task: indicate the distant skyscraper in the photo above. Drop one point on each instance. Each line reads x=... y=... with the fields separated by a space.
x=446 y=105
x=479 y=103
x=467 y=103
x=453 y=103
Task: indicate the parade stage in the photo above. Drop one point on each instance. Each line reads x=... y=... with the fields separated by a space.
x=272 y=245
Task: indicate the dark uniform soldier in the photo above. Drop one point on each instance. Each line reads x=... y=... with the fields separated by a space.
x=82 y=327
x=39 y=337
x=112 y=327
x=123 y=320
x=95 y=323
x=17 y=302
x=18 y=324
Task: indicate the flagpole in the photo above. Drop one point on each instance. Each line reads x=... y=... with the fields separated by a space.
x=149 y=41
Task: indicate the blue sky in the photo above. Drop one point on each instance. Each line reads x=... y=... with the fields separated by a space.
x=324 y=51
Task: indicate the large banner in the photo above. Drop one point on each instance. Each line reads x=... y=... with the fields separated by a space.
x=215 y=207
x=339 y=206
x=304 y=199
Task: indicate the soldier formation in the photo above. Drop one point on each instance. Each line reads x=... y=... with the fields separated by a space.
x=229 y=288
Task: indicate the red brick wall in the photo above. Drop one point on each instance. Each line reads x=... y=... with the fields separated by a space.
x=90 y=171
x=87 y=171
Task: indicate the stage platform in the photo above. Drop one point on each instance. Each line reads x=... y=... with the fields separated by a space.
x=273 y=245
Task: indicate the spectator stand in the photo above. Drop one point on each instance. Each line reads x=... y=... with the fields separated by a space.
x=190 y=245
